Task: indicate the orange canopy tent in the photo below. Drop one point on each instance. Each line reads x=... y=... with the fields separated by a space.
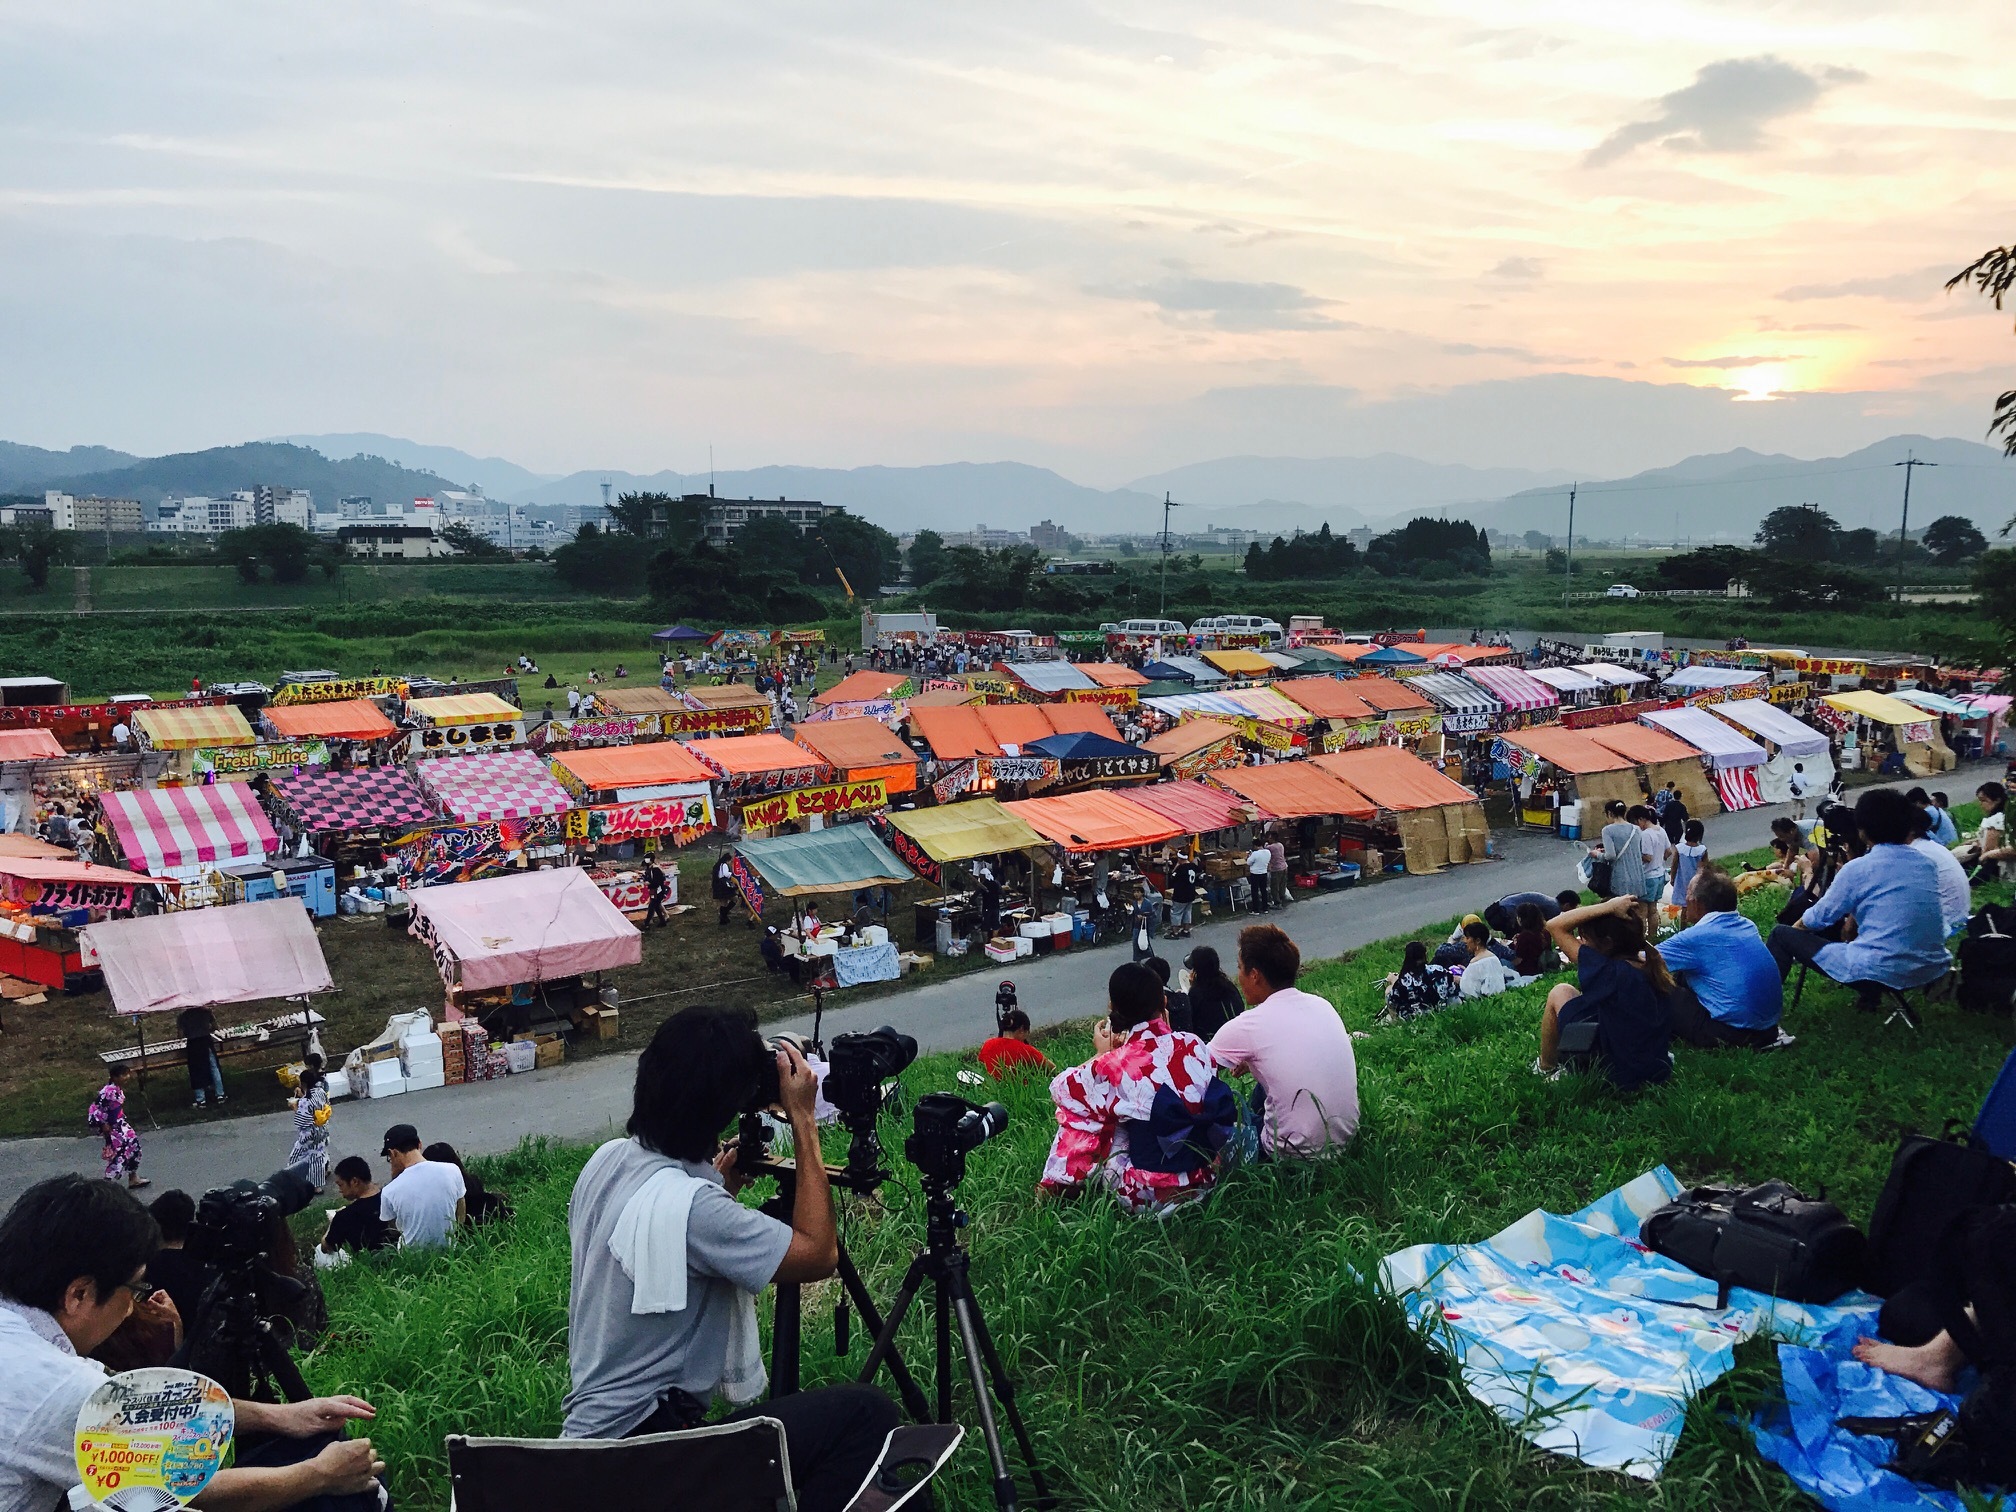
x=1094 y=821
x=865 y=749
x=1296 y=790
x=748 y=755
x=958 y=734
x=1327 y=698
x=1072 y=719
x=1393 y=779
x=1570 y=750
x=30 y=745
x=1016 y=724
x=1390 y=696
x=634 y=766
x=1345 y=651
x=943 y=698
x=644 y=700
x=1180 y=740
x=1642 y=744
x=344 y=719
x=1197 y=806
x=1113 y=675
x=865 y=686
x=955 y=733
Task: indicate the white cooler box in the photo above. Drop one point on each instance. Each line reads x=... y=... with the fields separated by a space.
x=384 y=1078
x=1035 y=929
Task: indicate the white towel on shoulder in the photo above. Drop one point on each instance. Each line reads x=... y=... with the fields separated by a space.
x=649 y=1243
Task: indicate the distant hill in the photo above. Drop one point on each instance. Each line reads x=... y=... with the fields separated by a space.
x=1284 y=493
x=25 y=469
x=953 y=496
x=220 y=470
x=1723 y=497
x=495 y=476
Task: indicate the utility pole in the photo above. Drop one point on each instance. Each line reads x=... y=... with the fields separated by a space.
x=1904 y=526
x=1167 y=505
x=1568 y=572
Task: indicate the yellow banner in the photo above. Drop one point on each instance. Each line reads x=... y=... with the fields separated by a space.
x=1113 y=698
x=1789 y=693
x=343 y=688
x=822 y=802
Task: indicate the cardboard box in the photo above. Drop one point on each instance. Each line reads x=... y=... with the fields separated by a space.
x=550 y=1053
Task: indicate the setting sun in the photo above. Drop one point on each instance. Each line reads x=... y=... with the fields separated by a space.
x=1764 y=382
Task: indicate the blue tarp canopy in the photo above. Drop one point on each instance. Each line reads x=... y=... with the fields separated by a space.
x=1389 y=656
x=1082 y=745
x=840 y=859
x=679 y=633
x=1189 y=669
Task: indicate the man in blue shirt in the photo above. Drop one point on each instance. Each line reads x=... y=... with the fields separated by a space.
x=1892 y=894
x=1728 y=989
x=1939 y=824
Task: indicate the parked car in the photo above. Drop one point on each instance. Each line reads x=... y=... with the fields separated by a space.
x=1622 y=590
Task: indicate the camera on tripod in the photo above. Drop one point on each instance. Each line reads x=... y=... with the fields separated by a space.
x=239 y=1332
x=944 y=1129
x=1004 y=1004
x=856 y=1067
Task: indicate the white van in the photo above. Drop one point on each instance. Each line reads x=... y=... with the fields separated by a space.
x=1149 y=629
x=1270 y=631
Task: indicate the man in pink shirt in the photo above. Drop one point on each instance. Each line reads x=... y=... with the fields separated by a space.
x=1295 y=1046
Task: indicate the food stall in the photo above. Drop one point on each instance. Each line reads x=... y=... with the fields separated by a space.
x=747 y=768
x=350 y=816
x=1113 y=675
x=1966 y=743
x=1550 y=767
x=44 y=900
x=844 y=859
x=524 y=954
x=1904 y=737
x=194 y=737
x=1087 y=760
x=457 y=722
x=1577 y=690
x=1527 y=700
x=1661 y=759
x=1795 y=749
x=1440 y=822
x=629 y=801
x=862 y=750
x=187 y=833
x=1620 y=681
x=21 y=753
x=1042 y=681
x=619 y=716
x=719 y=709
x=491 y=785
x=867 y=693
x=1733 y=759
x=1093 y=825
x=351 y=719
x=1196 y=746
x=1470 y=714
x=1698 y=683
x=1185 y=669
x=1241 y=663
x=1334 y=818
x=930 y=840
x=257 y=952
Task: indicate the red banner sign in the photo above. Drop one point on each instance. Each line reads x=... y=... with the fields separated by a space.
x=75 y=724
x=1609 y=714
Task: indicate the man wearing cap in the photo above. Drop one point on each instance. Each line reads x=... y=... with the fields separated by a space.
x=425 y=1199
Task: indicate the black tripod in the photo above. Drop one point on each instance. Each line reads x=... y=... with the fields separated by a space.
x=237 y=1343
x=947 y=1266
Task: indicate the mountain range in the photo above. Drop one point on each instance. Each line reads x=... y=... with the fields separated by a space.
x=1705 y=497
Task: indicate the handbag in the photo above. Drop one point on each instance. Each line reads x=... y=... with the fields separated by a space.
x=1599 y=877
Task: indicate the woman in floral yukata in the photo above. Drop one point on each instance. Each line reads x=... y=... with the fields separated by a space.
x=1147 y=1116
x=107 y=1114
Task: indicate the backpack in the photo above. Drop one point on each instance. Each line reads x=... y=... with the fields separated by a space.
x=1769 y=1238
x=1931 y=1182
x=1988 y=961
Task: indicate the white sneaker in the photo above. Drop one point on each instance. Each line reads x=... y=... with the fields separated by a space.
x=1543 y=1073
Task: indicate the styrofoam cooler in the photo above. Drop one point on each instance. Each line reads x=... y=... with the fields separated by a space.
x=420 y=1081
x=384 y=1078
x=1060 y=923
x=1034 y=929
x=1003 y=951
x=875 y=934
x=421 y=1054
x=1024 y=946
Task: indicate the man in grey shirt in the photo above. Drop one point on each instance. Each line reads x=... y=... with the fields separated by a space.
x=655 y=1371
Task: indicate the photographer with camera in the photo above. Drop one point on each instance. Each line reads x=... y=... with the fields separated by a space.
x=667 y=1264
x=73 y=1266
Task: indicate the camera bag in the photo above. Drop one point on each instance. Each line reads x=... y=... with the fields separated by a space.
x=1931 y=1182
x=1988 y=961
x=1770 y=1238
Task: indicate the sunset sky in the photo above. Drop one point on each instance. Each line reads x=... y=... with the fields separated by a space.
x=1107 y=238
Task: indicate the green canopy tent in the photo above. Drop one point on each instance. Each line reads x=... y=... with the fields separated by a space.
x=842 y=858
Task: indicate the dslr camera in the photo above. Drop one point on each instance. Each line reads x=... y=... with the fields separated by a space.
x=233 y=1223
x=856 y=1067
x=943 y=1129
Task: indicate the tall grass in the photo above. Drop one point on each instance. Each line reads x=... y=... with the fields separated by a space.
x=1238 y=1355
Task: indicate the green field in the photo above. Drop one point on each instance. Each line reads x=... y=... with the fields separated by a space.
x=1239 y=1355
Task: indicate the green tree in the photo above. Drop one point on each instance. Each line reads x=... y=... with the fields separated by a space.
x=1994 y=274
x=470 y=544
x=1557 y=559
x=1321 y=555
x=650 y=515
x=1707 y=567
x=1858 y=548
x=1426 y=547
x=1995 y=581
x=599 y=562
x=1538 y=540
x=867 y=553
x=1820 y=585
x=927 y=557
x=1952 y=539
x=988 y=580
x=1805 y=531
x=287 y=550
x=36 y=548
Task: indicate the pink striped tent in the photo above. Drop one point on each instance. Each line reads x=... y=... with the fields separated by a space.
x=175 y=830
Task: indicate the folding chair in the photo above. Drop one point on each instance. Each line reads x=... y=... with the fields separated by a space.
x=1241 y=895
x=723 y=1467
x=1881 y=992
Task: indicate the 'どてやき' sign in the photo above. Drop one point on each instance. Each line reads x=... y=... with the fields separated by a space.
x=819 y=802
x=340 y=690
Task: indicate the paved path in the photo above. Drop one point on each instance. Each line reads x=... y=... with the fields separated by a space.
x=589 y=1099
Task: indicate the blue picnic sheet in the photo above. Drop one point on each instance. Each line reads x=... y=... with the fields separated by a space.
x=1838 y=1469
x=1588 y=1344
x=866 y=963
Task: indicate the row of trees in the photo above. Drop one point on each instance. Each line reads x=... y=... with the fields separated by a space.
x=1423 y=547
x=656 y=544
x=1807 y=533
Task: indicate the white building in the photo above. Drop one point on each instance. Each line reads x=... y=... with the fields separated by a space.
x=392 y=539
x=68 y=512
